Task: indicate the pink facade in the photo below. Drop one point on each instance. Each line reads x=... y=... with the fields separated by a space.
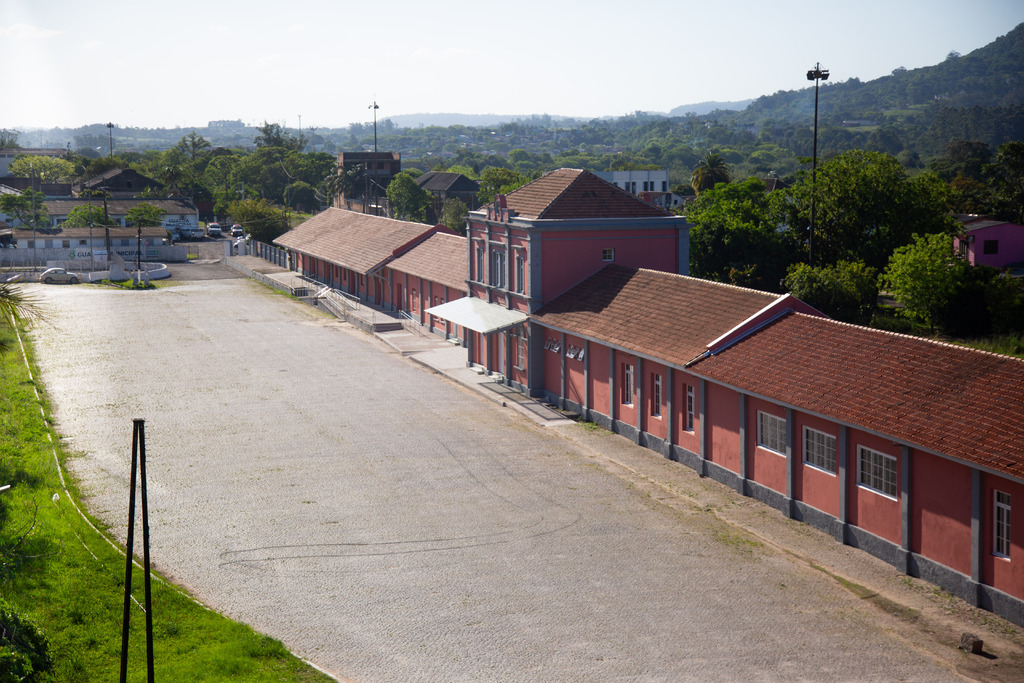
x=941 y=517
x=815 y=485
x=569 y=257
x=991 y=243
x=1003 y=570
x=939 y=511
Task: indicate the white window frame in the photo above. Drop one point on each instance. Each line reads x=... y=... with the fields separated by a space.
x=497 y=274
x=771 y=432
x=820 y=450
x=520 y=272
x=690 y=407
x=656 y=395
x=628 y=384
x=874 y=476
x=520 y=344
x=480 y=262
x=1001 y=524
x=608 y=255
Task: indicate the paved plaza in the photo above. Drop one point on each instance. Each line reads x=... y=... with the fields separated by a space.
x=389 y=524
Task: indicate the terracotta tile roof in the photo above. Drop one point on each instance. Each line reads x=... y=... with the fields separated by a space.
x=959 y=402
x=572 y=193
x=442 y=258
x=357 y=241
x=119 y=207
x=667 y=316
x=98 y=232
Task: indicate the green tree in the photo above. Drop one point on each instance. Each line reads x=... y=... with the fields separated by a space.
x=924 y=277
x=736 y=239
x=867 y=206
x=846 y=291
x=261 y=220
x=709 y=171
x=84 y=216
x=145 y=216
x=453 y=214
x=9 y=139
x=496 y=180
x=46 y=169
x=273 y=135
x=192 y=146
x=28 y=208
x=1008 y=173
x=408 y=200
x=24 y=651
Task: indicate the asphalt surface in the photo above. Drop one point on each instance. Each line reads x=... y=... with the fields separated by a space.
x=389 y=525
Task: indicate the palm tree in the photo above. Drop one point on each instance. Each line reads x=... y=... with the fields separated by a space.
x=708 y=172
x=15 y=307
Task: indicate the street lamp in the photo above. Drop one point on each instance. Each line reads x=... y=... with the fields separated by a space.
x=816 y=74
x=376 y=162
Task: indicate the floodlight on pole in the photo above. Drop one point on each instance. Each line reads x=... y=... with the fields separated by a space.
x=816 y=74
x=110 y=135
x=374 y=107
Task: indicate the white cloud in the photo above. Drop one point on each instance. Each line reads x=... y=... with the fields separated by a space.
x=27 y=31
x=296 y=28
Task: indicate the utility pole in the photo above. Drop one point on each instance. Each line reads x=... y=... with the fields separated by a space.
x=815 y=74
x=376 y=163
x=110 y=136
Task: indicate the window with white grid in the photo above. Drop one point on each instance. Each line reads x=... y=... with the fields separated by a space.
x=690 y=408
x=877 y=471
x=820 y=449
x=627 y=384
x=771 y=432
x=656 y=395
x=1002 y=524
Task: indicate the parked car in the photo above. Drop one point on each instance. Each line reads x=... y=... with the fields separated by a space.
x=236 y=230
x=213 y=230
x=51 y=275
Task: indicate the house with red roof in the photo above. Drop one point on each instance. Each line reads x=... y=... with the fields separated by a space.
x=352 y=252
x=431 y=273
x=526 y=248
x=906 y=448
x=573 y=290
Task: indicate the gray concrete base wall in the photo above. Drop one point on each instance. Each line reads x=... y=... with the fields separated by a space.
x=958 y=584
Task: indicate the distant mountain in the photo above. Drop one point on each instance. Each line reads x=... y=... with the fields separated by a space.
x=702 y=108
x=991 y=76
x=472 y=120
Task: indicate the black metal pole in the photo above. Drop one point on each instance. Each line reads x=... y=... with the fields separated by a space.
x=129 y=551
x=814 y=177
x=140 y=425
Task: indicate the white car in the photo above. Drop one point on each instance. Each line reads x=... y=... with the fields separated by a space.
x=51 y=275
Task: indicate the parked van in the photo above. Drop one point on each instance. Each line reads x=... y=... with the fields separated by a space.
x=213 y=230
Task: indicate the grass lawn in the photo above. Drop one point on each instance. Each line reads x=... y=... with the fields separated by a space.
x=57 y=569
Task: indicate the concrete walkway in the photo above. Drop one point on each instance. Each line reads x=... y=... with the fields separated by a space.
x=446 y=359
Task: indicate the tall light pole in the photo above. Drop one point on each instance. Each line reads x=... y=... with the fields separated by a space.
x=374 y=107
x=375 y=166
x=110 y=136
x=816 y=74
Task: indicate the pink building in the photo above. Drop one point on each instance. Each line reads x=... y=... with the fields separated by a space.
x=540 y=240
x=351 y=251
x=990 y=242
x=903 y=447
x=431 y=273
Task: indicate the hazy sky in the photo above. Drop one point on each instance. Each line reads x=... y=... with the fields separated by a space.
x=184 y=63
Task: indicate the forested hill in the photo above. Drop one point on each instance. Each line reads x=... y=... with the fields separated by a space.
x=991 y=76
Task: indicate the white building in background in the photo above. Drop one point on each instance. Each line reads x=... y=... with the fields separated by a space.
x=651 y=186
x=638 y=181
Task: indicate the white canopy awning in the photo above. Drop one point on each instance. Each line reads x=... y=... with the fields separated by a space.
x=477 y=314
